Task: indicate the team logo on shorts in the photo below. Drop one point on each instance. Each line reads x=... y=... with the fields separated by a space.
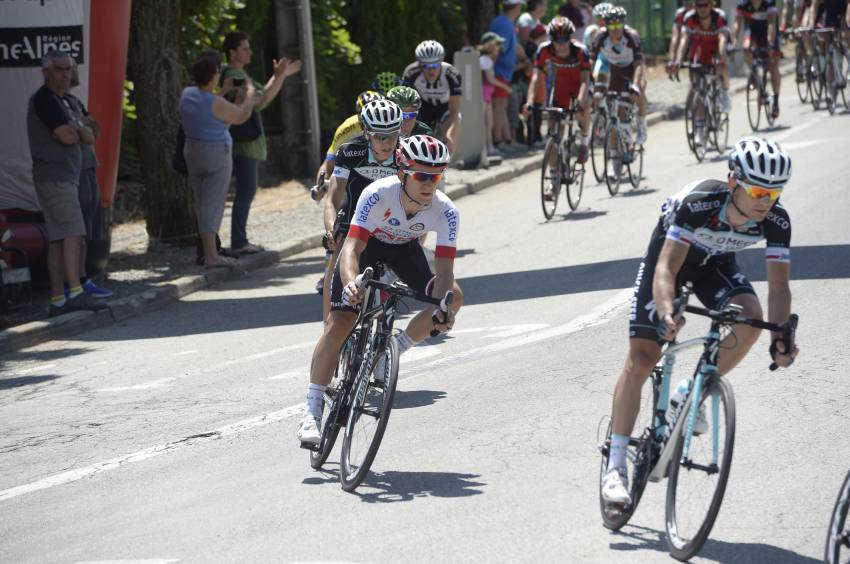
x=417 y=227
x=394 y=222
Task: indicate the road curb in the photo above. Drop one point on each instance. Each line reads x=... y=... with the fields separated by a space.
x=36 y=332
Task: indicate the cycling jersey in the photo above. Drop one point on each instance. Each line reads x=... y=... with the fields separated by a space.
x=356 y=164
x=347 y=130
x=831 y=13
x=567 y=71
x=622 y=56
x=696 y=217
x=435 y=95
x=679 y=17
x=704 y=42
x=380 y=214
x=756 y=19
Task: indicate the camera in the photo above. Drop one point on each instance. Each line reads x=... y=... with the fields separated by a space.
x=238 y=82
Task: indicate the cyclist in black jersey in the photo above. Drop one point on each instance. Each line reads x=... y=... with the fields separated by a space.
x=834 y=14
x=759 y=20
x=696 y=238
x=439 y=85
x=359 y=162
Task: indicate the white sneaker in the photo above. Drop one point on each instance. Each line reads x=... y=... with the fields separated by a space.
x=308 y=432
x=615 y=487
x=641 y=132
x=725 y=101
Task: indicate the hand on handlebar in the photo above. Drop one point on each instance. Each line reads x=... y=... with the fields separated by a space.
x=355 y=291
x=781 y=358
x=669 y=327
x=443 y=317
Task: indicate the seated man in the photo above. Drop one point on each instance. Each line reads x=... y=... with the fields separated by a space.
x=390 y=216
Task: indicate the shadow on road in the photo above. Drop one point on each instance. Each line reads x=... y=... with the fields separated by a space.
x=416 y=398
x=9 y=383
x=405 y=486
x=713 y=550
x=638 y=192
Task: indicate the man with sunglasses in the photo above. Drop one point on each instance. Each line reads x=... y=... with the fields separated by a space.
x=620 y=44
x=390 y=216
x=696 y=238
x=359 y=162
x=439 y=86
x=564 y=62
x=758 y=19
x=704 y=33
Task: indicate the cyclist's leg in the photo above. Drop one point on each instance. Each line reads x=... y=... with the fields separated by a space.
x=329 y=274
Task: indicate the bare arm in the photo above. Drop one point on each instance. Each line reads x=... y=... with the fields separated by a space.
x=336 y=193
x=771 y=28
x=453 y=123
x=674 y=42
x=282 y=69
x=66 y=134
x=683 y=46
x=667 y=268
x=349 y=259
x=237 y=113
x=736 y=28
x=532 y=86
x=778 y=293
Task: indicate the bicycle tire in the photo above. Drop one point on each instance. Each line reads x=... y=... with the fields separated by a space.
x=637 y=157
x=818 y=78
x=753 y=103
x=575 y=178
x=698 y=150
x=720 y=132
x=682 y=548
x=765 y=99
x=546 y=177
x=613 y=183
x=689 y=125
x=803 y=84
x=337 y=395
x=597 y=156
x=352 y=475
x=838 y=534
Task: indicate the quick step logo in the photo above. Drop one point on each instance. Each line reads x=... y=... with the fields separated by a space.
x=25 y=46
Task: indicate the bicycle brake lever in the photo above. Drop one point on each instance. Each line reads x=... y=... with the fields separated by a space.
x=787 y=338
x=444 y=307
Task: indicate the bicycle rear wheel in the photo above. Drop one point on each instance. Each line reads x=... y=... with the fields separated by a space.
x=613 y=159
x=636 y=166
x=698 y=148
x=801 y=74
x=597 y=156
x=817 y=78
x=550 y=176
x=574 y=180
x=689 y=119
x=753 y=102
x=335 y=403
x=371 y=405
x=696 y=485
x=720 y=132
x=838 y=536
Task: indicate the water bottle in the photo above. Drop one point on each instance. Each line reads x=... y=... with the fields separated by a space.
x=676 y=401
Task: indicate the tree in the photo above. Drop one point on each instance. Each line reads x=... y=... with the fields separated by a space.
x=157 y=75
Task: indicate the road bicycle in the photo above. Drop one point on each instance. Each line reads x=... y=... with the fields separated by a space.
x=838 y=537
x=567 y=172
x=802 y=62
x=622 y=154
x=356 y=398
x=758 y=100
x=696 y=464
x=827 y=59
x=704 y=98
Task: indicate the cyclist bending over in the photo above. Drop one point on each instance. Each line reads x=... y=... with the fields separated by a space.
x=758 y=18
x=699 y=231
x=391 y=214
x=566 y=61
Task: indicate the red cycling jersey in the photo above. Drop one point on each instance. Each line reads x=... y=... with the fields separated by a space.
x=704 y=41
x=567 y=70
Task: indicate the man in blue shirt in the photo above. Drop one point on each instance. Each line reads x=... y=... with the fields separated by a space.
x=503 y=25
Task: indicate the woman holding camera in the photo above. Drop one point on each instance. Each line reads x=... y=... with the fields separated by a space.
x=206 y=118
x=249 y=140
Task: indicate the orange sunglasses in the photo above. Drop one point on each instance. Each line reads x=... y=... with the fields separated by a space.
x=759 y=192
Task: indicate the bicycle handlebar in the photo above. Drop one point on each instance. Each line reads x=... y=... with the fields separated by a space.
x=366 y=279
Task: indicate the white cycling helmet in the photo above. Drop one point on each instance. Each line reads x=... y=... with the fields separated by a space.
x=759 y=161
x=600 y=10
x=381 y=116
x=423 y=150
x=429 y=51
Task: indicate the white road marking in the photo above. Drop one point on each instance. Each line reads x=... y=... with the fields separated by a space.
x=793 y=131
x=287 y=375
x=184 y=353
x=599 y=315
x=147 y=561
x=803 y=144
x=161 y=383
x=265 y=354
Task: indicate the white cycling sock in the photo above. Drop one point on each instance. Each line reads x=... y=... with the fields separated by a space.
x=405 y=342
x=585 y=139
x=314 y=404
x=617 y=451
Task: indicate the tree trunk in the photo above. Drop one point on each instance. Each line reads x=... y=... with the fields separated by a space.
x=478 y=14
x=154 y=67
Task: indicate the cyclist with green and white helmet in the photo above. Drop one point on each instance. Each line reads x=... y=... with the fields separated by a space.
x=385 y=81
x=600 y=68
x=410 y=102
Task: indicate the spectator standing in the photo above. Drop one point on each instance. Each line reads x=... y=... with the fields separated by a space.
x=89 y=191
x=579 y=13
x=536 y=38
x=250 y=150
x=488 y=51
x=503 y=25
x=55 y=136
x=530 y=19
x=206 y=118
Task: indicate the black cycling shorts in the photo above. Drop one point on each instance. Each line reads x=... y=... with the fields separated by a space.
x=715 y=283
x=407 y=261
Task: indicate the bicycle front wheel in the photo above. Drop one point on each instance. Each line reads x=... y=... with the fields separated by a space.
x=766 y=101
x=720 y=132
x=597 y=142
x=371 y=405
x=753 y=102
x=636 y=166
x=613 y=159
x=698 y=145
x=697 y=482
x=335 y=403
x=689 y=119
x=838 y=536
x=575 y=179
x=550 y=179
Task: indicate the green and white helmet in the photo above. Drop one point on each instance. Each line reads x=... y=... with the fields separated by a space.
x=601 y=9
x=405 y=96
x=381 y=116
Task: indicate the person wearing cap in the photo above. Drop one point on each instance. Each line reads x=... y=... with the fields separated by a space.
x=491 y=44
x=503 y=25
x=536 y=38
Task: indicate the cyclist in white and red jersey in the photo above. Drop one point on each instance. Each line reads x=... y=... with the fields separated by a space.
x=390 y=216
x=698 y=233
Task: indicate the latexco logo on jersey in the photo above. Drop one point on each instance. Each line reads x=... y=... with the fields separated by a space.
x=25 y=46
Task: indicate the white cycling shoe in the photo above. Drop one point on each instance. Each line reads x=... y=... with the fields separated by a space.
x=308 y=432
x=615 y=487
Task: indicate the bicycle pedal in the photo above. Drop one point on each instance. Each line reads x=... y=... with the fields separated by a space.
x=310 y=446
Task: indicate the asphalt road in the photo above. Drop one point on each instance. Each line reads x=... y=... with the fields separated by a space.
x=171 y=437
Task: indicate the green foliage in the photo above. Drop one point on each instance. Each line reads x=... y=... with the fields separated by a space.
x=204 y=23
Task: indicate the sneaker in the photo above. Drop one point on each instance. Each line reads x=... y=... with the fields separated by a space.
x=55 y=310
x=725 y=102
x=581 y=158
x=84 y=302
x=775 y=111
x=641 y=131
x=308 y=432
x=615 y=487
x=549 y=193
x=95 y=291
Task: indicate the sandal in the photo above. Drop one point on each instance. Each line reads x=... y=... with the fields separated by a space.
x=249 y=249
